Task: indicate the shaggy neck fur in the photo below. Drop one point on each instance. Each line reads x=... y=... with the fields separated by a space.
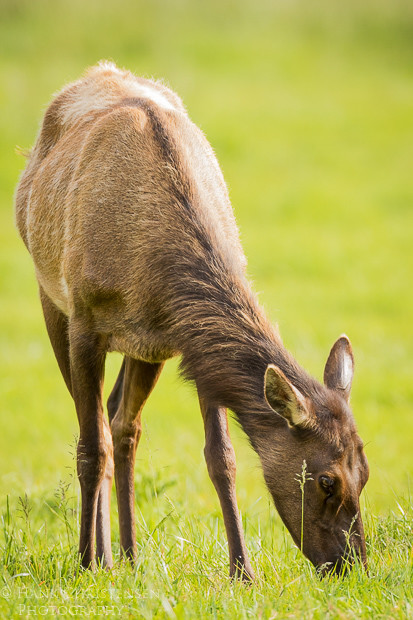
x=227 y=342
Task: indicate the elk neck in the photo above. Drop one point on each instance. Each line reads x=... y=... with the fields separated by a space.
x=226 y=340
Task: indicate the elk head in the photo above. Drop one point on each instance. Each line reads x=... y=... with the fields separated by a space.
x=318 y=428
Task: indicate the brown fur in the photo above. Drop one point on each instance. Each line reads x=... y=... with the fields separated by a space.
x=125 y=212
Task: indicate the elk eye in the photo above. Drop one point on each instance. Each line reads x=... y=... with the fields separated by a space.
x=327 y=484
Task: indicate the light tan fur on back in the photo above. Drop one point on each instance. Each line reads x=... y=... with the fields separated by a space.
x=99 y=179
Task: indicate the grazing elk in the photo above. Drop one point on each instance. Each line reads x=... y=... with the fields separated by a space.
x=126 y=215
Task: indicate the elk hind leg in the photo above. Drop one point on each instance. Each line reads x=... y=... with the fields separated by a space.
x=57 y=325
x=132 y=389
x=103 y=530
x=87 y=359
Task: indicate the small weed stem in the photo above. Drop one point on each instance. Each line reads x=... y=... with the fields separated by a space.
x=302 y=479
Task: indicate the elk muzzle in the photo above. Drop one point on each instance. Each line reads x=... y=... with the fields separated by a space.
x=353 y=552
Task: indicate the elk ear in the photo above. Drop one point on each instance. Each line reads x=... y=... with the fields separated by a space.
x=339 y=370
x=284 y=398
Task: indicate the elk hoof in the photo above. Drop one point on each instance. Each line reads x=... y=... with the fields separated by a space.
x=243 y=572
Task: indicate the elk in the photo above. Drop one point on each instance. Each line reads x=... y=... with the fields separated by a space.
x=125 y=212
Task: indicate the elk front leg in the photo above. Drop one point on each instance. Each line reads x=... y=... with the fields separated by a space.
x=135 y=382
x=87 y=357
x=220 y=460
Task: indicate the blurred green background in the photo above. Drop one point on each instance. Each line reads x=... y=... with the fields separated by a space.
x=309 y=107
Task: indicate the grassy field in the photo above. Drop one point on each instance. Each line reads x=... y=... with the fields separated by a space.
x=309 y=107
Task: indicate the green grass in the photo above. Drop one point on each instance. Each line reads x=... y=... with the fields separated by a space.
x=309 y=106
x=182 y=566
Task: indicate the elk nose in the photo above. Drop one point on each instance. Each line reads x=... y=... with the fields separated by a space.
x=337 y=567
x=342 y=565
